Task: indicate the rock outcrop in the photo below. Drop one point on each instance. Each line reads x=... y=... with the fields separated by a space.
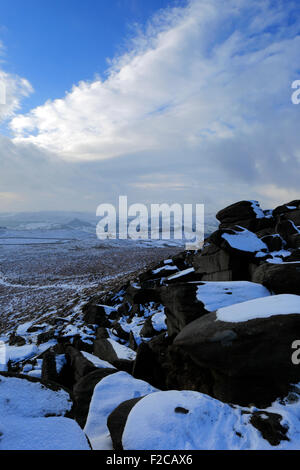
x=213 y=330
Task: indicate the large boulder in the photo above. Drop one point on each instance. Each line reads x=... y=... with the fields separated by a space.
x=108 y=394
x=243 y=213
x=176 y=420
x=181 y=306
x=240 y=354
x=294 y=216
x=282 y=278
x=186 y=302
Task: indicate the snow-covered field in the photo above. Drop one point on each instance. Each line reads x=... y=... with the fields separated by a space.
x=47 y=267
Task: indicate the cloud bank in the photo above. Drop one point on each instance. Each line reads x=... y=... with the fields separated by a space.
x=199 y=109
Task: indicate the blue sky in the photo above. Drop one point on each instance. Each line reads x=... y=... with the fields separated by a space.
x=57 y=43
x=162 y=101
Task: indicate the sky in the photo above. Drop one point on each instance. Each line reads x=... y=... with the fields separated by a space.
x=160 y=100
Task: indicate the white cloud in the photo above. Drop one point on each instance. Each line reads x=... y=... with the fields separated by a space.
x=204 y=93
x=198 y=75
x=12 y=90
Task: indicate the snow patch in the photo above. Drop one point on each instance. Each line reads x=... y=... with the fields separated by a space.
x=283 y=304
x=181 y=273
x=245 y=240
x=215 y=295
x=159 y=321
x=97 y=361
x=122 y=351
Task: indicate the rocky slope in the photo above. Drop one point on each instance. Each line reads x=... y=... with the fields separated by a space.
x=195 y=353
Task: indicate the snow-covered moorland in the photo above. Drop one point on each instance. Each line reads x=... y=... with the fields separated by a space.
x=155 y=349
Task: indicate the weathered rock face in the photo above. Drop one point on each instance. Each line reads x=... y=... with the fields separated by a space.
x=50 y=371
x=187 y=302
x=216 y=264
x=244 y=212
x=181 y=306
x=289 y=232
x=288 y=208
x=136 y=295
x=78 y=363
x=247 y=237
x=242 y=362
x=294 y=256
x=294 y=216
x=151 y=361
x=96 y=315
x=104 y=350
x=281 y=278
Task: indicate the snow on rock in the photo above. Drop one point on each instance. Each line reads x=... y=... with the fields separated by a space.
x=60 y=362
x=35 y=373
x=136 y=323
x=159 y=321
x=181 y=273
x=22 y=329
x=41 y=434
x=215 y=295
x=123 y=352
x=107 y=309
x=245 y=240
x=276 y=260
x=31 y=399
x=19 y=353
x=258 y=211
x=135 y=326
x=108 y=394
x=183 y=420
x=277 y=256
x=3 y=359
x=165 y=268
x=24 y=407
x=187 y=420
x=97 y=361
x=283 y=304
